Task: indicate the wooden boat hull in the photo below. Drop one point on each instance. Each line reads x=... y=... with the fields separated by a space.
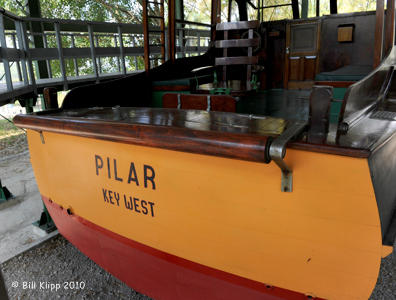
x=180 y=225
x=159 y=274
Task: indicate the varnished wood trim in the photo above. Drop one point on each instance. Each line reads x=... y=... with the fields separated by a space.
x=230 y=145
x=171 y=88
x=297 y=84
x=336 y=84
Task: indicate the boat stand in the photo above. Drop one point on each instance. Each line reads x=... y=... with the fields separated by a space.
x=3 y=290
x=4 y=193
x=45 y=223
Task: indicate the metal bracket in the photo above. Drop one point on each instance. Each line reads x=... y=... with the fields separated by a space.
x=208 y=108
x=178 y=101
x=277 y=152
x=42 y=137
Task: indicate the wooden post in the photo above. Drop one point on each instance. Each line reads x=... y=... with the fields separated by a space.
x=50 y=98
x=389 y=27
x=146 y=42
x=379 y=33
x=171 y=30
x=35 y=12
x=333 y=7
x=230 y=9
x=162 y=27
x=304 y=9
x=296 y=14
x=215 y=17
x=146 y=38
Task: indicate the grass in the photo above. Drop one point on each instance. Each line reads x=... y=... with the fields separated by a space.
x=8 y=129
x=10 y=135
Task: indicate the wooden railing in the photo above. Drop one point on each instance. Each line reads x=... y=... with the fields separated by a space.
x=41 y=52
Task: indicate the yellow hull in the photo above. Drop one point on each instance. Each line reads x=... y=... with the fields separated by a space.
x=323 y=239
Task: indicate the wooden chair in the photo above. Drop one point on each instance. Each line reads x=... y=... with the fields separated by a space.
x=226 y=62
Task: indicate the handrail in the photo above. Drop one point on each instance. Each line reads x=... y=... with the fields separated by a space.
x=76 y=52
x=193 y=23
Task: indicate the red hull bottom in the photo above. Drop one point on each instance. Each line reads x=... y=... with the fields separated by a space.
x=156 y=273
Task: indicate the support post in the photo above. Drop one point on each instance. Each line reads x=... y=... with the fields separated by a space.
x=93 y=51
x=146 y=37
x=379 y=33
x=230 y=9
x=304 y=9
x=215 y=17
x=317 y=8
x=35 y=12
x=60 y=55
x=333 y=7
x=171 y=30
x=122 y=51
x=5 y=60
x=296 y=14
x=389 y=27
x=51 y=98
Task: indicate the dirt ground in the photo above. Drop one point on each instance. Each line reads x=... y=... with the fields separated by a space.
x=56 y=260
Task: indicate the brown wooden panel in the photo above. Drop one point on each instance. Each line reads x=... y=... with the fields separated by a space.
x=200 y=102
x=294 y=69
x=236 y=60
x=223 y=103
x=301 y=68
x=309 y=68
x=169 y=101
x=345 y=34
x=238 y=25
x=237 y=43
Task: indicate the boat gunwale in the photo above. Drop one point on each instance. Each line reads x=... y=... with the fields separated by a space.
x=244 y=146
